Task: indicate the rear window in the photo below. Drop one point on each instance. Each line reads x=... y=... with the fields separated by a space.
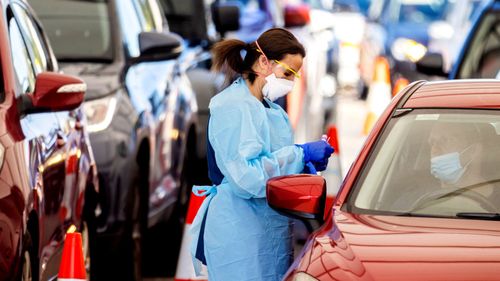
x=434 y=163
x=78 y=29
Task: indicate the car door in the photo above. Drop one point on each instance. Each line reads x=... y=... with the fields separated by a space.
x=46 y=142
x=69 y=133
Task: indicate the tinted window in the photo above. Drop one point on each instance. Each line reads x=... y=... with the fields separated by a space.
x=78 y=29
x=482 y=55
x=433 y=162
x=131 y=27
x=25 y=75
x=189 y=19
x=36 y=45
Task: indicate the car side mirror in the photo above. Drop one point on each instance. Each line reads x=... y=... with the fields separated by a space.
x=156 y=46
x=299 y=196
x=297 y=15
x=53 y=92
x=432 y=64
x=226 y=17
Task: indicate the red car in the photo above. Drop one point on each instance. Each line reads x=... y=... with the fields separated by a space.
x=47 y=171
x=422 y=200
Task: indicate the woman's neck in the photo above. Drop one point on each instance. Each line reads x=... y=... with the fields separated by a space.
x=255 y=89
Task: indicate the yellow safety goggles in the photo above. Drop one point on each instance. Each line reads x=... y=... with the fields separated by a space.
x=286 y=67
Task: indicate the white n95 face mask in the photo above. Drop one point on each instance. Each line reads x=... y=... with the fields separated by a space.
x=276 y=88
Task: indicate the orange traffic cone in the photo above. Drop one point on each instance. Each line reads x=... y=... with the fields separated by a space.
x=333 y=172
x=185 y=268
x=379 y=93
x=72 y=267
x=399 y=85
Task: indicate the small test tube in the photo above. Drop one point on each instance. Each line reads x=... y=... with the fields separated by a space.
x=325 y=138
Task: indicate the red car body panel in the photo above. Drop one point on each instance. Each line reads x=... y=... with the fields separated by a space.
x=365 y=247
x=459 y=94
x=52 y=84
x=307 y=195
x=374 y=247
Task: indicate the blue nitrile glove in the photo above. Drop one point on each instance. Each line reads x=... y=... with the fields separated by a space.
x=316 y=151
x=321 y=165
x=310 y=169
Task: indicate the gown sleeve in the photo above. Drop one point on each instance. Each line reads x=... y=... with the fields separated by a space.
x=241 y=155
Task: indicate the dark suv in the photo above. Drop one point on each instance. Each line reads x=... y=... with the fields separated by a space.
x=48 y=179
x=142 y=119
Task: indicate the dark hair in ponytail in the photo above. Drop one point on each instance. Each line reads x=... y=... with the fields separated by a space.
x=276 y=43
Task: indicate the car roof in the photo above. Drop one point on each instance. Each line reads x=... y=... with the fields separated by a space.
x=466 y=93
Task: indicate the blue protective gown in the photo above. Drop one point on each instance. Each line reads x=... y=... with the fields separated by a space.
x=244 y=239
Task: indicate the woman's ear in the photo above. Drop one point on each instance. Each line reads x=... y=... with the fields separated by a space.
x=264 y=63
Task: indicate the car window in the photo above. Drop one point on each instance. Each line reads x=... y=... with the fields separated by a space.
x=482 y=55
x=79 y=30
x=23 y=69
x=36 y=46
x=433 y=162
x=192 y=21
x=132 y=27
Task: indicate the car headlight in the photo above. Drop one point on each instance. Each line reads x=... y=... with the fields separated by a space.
x=302 y=276
x=406 y=49
x=99 y=113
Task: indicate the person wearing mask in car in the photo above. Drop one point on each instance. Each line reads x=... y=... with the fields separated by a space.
x=235 y=233
x=457 y=158
x=459 y=164
x=461 y=169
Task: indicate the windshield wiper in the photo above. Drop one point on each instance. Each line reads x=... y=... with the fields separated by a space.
x=481 y=216
x=417 y=215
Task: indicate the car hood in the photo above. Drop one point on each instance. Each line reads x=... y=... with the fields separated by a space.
x=369 y=247
x=101 y=79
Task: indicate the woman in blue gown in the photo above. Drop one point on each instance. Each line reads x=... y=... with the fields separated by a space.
x=235 y=233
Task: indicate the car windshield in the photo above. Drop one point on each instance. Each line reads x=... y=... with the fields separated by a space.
x=417 y=11
x=441 y=163
x=79 y=30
